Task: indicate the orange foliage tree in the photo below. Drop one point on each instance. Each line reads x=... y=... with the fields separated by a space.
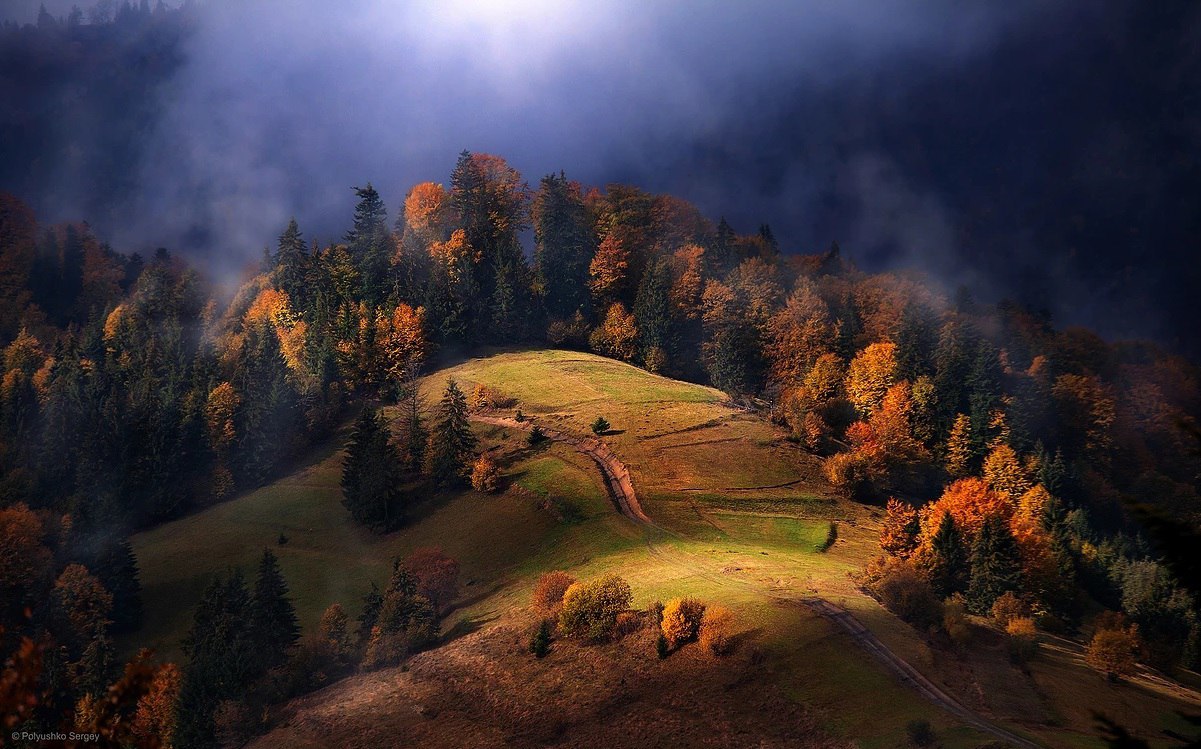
x=799 y=333
x=608 y=273
x=617 y=336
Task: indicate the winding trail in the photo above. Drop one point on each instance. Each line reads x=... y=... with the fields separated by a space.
x=621 y=487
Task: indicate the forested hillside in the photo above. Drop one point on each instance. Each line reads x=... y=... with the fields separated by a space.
x=1008 y=451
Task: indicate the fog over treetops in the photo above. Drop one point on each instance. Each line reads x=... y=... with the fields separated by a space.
x=1044 y=151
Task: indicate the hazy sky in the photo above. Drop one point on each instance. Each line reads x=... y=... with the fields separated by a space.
x=1022 y=147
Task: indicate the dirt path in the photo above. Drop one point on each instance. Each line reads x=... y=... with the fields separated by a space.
x=617 y=476
x=908 y=674
x=621 y=486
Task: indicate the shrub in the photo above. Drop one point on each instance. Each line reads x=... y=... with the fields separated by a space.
x=535 y=436
x=661 y=646
x=628 y=622
x=682 y=620
x=920 y=733
x=955 y=621
x=656 y=612
x=540 y=642
x=590 y=609
x=485 y=475
x=519 y=416
x=851 y=473
x=717 y=630
x=908 y=595
x=600 y=426
x=1111 y=650
x=1023 y=638
x=479 y=398
x=549 y=590
x=1009 y=607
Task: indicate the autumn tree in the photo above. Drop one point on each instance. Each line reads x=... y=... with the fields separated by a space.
x=1005 y=473
x=371 y=474
x=899 y=534
x=1111 y=650
x=436 y=576
x=959 y=448
x=608 y=273
x=617 y=335
x=485 y=475
x=871 y=373
x=590 y=609
x=682 y=619
x=155 y=715
x=549 y=591
x=799 y=333
x=451 y=447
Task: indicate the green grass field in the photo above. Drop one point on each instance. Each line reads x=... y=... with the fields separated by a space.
x=744 y=514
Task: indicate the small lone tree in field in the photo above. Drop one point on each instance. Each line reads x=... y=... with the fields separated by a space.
x=485 y=475
x=590 y=609
x=536 y=436
x=600 y=426
x=682 y=620
x=540 y=642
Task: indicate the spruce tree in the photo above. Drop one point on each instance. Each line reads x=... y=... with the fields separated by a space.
x=653 y=312
x=291 y=265
x=984 y=395
x=948 y=560
x=451 y=445
x=117 y=569
x=370 y=245
x=221 y=660
x=564 y=246
x=273 y=619
x=995 y=566
x=371 y=474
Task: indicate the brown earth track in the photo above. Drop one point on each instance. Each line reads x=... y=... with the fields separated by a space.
x=621 y=487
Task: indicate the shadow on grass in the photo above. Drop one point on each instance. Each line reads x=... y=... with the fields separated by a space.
x=466 y=626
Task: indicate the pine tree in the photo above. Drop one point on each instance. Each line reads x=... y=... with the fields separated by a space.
x=996 y=567
x=653 y=313
x=117 y=568
x=947 y=561
x=291 y=264
x=371 y=245
x=371 y=474
x=984 y=395
x=721 y=256
x=564 y=247
x=273 y=619
x=221 y=660
x=369 y=615
x=450 y=450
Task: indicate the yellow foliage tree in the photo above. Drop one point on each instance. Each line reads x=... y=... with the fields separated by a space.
x=872 y=372
x=617 y=336
x=1005 y=473
x=682 y=620
x=959 y=447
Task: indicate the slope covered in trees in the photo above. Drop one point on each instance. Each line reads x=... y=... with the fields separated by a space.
x=133 y=394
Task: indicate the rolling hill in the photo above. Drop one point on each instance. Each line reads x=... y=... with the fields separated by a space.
x=737 y=515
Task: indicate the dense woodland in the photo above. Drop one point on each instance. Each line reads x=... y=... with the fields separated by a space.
x=1008 y=452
